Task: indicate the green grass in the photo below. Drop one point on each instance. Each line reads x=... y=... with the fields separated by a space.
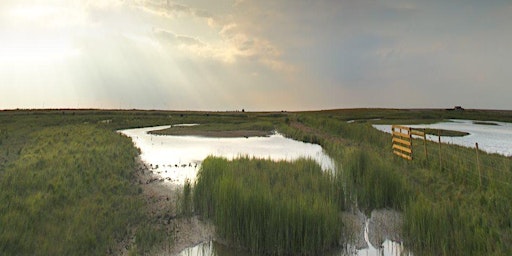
x=64 y=176
x=68 y=193
x=267 y=207
x=448 y=211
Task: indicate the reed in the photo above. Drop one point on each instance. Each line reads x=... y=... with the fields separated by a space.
x=185 y=204
x=268 y=207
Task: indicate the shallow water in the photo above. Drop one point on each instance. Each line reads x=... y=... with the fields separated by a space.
x=490 y=138
x=388 y=248
x=176 y=158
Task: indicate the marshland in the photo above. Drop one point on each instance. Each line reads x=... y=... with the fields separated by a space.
x=73 y=184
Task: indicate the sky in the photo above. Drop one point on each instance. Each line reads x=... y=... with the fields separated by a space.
x=256 y=55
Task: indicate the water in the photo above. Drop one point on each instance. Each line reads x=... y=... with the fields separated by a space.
x=176 y=158
x=490 y=138
x=387 y=248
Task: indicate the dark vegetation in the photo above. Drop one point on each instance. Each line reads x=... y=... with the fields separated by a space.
x=485 y=123
x=228 y=128
x=66 y=177
x=442 y=132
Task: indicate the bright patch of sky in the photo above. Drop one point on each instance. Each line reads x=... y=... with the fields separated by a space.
x=257 y=55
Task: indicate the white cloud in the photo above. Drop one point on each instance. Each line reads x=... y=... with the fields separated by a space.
x=180 y=40
x=305 y=53
x=231 y=44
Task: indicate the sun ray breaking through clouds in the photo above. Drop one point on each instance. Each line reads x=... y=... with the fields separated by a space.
x=260 y=55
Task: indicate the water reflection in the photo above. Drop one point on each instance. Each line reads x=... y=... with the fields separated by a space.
x=212 y=248
x=176 y=158
x=495 y=138
x=387 y=248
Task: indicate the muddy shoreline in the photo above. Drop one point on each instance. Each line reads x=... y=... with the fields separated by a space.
x=161 y=199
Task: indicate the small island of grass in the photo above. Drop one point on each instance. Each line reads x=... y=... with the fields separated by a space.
x=485 y=123
x=220 y=130
x=446 y=133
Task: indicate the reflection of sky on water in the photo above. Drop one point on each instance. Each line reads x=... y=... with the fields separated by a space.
x=388 y=248
x=179 y=157
x=490 y=138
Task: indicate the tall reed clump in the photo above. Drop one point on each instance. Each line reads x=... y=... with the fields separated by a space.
x=267 y=207
x=371 y=182
x=68 y=193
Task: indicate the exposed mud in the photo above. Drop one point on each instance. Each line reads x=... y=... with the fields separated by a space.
x=384 y=225
x=161 y=199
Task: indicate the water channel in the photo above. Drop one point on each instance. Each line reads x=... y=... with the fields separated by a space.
x=177 y=158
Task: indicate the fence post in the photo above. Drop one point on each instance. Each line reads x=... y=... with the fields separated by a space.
x=425 y=143
x=440 y=155
x=478 y=164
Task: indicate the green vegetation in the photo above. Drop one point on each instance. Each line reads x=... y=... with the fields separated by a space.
x=68 y=193
x=67 y=182
x=268 y=207
x=147 y=237
x=185 y=204
x=448 y=211
x=66 y=179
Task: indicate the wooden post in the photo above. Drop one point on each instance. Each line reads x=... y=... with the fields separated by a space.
x=425 y=143
x=478 y=164
x=440 y=155
x=410 y=138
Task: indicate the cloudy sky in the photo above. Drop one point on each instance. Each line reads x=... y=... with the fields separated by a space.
x=255 y=54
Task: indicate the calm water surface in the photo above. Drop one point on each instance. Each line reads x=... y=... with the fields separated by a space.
x=179 y=157
x=490 y=138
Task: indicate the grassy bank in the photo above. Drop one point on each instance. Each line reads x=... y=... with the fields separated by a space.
x=67 y=183
x=448 y=211
x=68 y=193
x=267 y=207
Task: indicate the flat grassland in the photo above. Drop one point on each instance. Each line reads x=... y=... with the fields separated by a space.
x=69 y=182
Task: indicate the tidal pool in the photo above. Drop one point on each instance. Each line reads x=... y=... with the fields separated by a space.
x=491 y=138
x=176 y=158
